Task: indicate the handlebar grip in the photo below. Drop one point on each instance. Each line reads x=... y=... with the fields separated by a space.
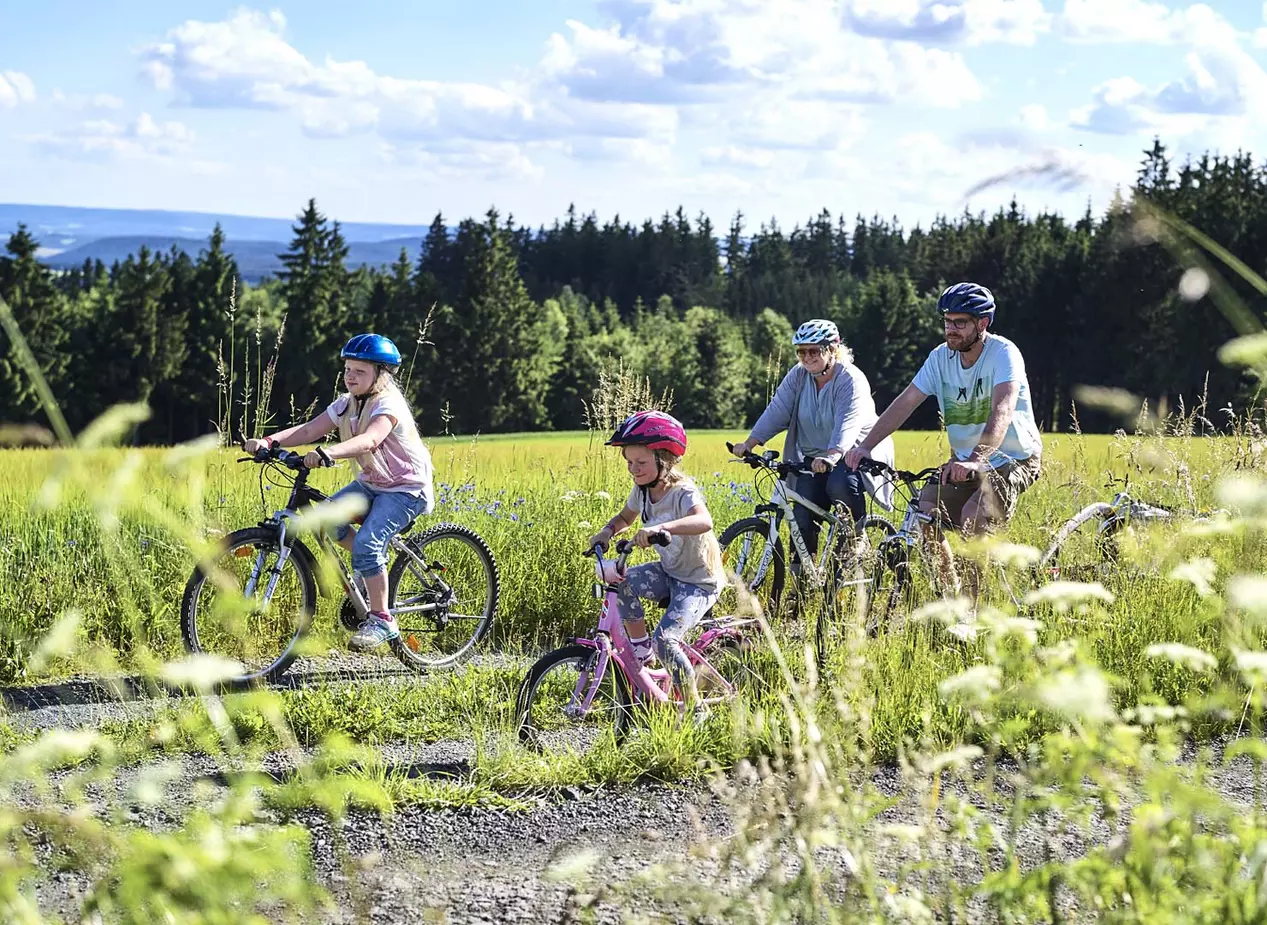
x=659 y=539
x=623 y=546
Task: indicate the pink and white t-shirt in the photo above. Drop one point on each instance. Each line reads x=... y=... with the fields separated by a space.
x=401 y=462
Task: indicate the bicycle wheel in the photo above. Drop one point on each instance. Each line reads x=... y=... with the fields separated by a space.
x=748 y=552
x=1083 y=549
x=549 y=717
x=891 y=590
x=853 y=573
x=444 y=606
x=729 y=658
x=250 y=606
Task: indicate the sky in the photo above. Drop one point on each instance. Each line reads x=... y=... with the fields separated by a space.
x=392 y=111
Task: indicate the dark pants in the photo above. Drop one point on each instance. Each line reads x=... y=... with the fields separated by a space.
x=841 y=484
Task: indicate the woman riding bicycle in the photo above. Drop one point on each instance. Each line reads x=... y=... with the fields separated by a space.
x=376 y=431
x=689 y=573
x=825 y=405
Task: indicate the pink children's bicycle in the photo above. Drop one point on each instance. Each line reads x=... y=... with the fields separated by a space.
x=584 y=693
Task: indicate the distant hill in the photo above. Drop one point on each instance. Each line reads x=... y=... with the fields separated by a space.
x=68 y=235
x=256 y=259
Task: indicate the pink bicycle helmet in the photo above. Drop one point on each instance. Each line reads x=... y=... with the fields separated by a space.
x=653 y=429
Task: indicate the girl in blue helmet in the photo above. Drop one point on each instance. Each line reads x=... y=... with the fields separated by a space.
x=377 y=432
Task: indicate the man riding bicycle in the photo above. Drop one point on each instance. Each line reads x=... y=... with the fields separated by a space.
x=983 y=395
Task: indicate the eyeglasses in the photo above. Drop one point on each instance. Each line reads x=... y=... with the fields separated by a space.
x=959 y=324
x=805 y=353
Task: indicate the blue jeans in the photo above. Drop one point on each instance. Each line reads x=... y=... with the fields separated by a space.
x=823 y=488
x=389 y=512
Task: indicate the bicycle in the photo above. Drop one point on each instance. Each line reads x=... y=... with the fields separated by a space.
x=590 y=686
x=443 y=587
x=900 y=559
x=846 y=548
x=1076 y=554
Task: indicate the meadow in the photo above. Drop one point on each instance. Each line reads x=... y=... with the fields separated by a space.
x=1078 y=706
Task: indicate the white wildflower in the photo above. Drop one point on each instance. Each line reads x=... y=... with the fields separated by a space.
x=57 y=642
x=976 y=683
x=1197 y=572
x=1065 y=595
x=1251 y=665
x=61 y=747
x=1248 y=593
x=1180 y=654
x=1249 y=350
x=1012 y=555
x=202 y=671
x=1080 y=693
x=1244 y=493
x=903 y=830
x=1023 y=627
x=965 y=632
x=603 y=495
x=948 y=611
x=955 y=758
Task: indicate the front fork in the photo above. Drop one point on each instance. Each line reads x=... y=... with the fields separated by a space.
x=275 y=573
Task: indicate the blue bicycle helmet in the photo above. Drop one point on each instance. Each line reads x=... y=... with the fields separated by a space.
x=372 y=348
x=968 y=298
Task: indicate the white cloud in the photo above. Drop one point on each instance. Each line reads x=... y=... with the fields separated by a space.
x=463 y=159
x=1034 y=117
x=732 y=156
x=15 y=87
x=1224 y=84
x=1134 y=22
x=80 y=101
x=102 y=139
x=971 y=22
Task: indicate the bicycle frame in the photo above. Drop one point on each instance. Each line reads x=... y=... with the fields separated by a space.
x=303 y=495
x=611 y=643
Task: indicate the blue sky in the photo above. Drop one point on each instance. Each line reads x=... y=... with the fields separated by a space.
x=390 y=111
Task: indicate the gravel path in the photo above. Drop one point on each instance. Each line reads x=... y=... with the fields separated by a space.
x=490 y=865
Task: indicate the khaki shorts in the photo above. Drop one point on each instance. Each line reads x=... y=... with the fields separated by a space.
x=999 y=492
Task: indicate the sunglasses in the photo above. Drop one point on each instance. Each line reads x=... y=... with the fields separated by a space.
x=806 y=353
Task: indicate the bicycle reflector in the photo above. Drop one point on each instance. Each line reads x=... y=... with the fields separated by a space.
x=243 y=552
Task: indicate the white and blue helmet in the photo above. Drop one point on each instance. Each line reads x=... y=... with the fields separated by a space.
x=816 y=332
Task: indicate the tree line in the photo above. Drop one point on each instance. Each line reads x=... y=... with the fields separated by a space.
x=507 y=328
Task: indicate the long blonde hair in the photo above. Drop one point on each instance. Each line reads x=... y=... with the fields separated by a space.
x=360 y=410
x=673 y=476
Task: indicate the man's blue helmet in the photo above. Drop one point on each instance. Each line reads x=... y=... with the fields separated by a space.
x=968 y=298
x=372 y=348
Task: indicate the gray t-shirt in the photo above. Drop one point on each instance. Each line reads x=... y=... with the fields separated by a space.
x=686 y=558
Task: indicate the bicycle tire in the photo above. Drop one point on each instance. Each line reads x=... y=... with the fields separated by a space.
x=730 y=657
x=530 y=733
x=858 y=570
x=893 y=558
x=190 y=609
x=1049 y=568
x=407 y=646
x=769 y=583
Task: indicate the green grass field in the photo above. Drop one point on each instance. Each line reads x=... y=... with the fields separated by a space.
x=106 y=531
x=97 y=549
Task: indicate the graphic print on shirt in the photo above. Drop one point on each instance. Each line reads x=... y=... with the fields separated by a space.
x=968 y=410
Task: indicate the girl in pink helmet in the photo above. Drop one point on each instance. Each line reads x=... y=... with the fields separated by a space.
x=689 y=573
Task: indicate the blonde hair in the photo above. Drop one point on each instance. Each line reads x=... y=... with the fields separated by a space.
x=673 y=476
x=360 y=411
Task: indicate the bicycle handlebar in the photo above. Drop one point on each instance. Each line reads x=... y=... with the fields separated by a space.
x=880 y=467
x=275 y=453
x=782 y=469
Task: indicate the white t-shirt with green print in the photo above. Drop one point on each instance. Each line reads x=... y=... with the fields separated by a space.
x=965 y=395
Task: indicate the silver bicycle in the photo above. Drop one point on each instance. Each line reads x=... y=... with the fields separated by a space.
x=753 y=550
x=254 y=601
x=1086 y=546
